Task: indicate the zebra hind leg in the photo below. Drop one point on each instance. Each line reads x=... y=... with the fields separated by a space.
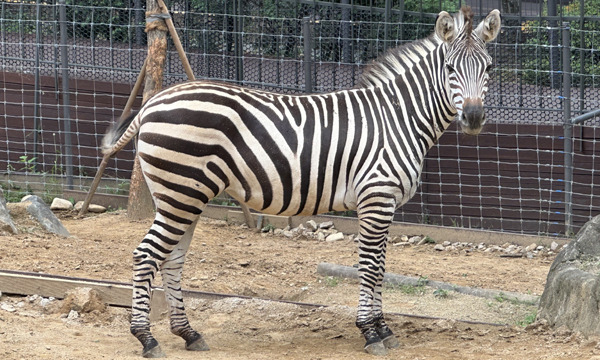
x=159 y=247
x=171 y=274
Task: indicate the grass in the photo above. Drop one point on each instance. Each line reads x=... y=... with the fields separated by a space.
x=331 y=281
x=418 y=289
x=529 y=319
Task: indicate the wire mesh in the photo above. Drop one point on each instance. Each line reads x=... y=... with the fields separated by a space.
x=509 y=178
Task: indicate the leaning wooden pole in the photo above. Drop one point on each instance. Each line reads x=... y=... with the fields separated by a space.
x=190 y=74
x=104 y=163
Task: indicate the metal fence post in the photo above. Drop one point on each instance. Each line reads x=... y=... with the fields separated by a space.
x=65 y=93
x=568 y=127
x=36 y=86
x=306 y=34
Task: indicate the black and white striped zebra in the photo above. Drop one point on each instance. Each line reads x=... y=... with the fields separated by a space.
x=360 y=148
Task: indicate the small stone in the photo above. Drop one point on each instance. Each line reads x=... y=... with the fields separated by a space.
x=554 y=246
x=73 y=315
x=539 y=248
x=8 y=307
x=61 y=205
x=32 y=298
x=320 y=236
x=288 y=233
x=326 y=225
x=531 y=247
x=335 y=237
x=93 y=208
x=312 y=225
x=277 y=231
x=439 y=247
x=404 y=238
x=446 y=243
x=414 y=239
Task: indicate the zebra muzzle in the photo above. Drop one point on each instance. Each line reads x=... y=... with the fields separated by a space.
x=473 y=116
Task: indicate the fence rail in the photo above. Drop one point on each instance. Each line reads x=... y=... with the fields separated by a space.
x=531 y=171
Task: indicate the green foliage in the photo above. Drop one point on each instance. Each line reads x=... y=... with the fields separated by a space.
x=584 y=55
x=331 y=281
x=529 y=319
x=441 y=293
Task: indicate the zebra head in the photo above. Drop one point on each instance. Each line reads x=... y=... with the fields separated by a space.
x=467 y=63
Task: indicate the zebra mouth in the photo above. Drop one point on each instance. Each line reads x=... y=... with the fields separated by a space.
x=471 y=126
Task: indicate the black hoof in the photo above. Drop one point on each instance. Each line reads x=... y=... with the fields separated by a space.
x=391 y=342
x=377 y=349
x=197 y=345
x=153 y=353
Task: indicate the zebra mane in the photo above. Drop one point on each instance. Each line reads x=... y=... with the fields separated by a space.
x=395 y=61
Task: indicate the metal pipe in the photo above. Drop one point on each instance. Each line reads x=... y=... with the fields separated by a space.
x=68 y=156
x=581 y=118
x=306 y=34
x=568 y=127
x=36 y=87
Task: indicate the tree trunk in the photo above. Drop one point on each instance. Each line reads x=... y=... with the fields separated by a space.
x=140 y=204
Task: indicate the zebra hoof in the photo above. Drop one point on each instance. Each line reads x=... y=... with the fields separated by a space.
x=391 y=342
x=154 y=353
x=197 y=345
x=377 y=349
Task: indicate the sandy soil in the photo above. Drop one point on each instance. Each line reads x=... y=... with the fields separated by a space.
x=234 y=260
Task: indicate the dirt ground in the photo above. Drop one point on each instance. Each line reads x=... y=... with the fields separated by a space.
x=231 y=259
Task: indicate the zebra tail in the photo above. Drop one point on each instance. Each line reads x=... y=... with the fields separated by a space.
x=120 y=133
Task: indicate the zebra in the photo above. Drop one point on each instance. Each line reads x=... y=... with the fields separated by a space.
x=356 y=149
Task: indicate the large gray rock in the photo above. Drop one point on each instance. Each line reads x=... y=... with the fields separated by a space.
x=572 y=293
x=44 y=216
x=7 y=225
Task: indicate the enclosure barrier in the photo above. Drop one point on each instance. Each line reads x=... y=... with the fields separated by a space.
x=67 y=70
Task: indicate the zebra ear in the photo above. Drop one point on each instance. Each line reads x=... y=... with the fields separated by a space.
x=445 y=28
x=489 y=28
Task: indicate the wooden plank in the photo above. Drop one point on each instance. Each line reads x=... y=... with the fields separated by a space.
x=112 y=293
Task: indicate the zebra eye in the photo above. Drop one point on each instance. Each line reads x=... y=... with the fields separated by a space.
x=489 y=68
x=450 y=69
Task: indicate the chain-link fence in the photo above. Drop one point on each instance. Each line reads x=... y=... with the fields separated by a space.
x=67 y=68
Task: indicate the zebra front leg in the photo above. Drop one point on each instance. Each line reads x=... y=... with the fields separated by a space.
x=171 y=274
x=385 y=333
x=374 y=219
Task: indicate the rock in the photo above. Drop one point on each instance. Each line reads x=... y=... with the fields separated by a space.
x=446 y=243
x=414 y=239
x=554 y=246
x=45 y=302
x=288 y=233
x=571 y=297
x=422 y=241
x=61 y=205
x=82 y=300
x=326 y=225
x=439 y=247
x=93 y=208
x=531 y=247
x=73 y=315
x=6 y=224
x=8 y=307
x=312 y=225
x=335 y=237
x=320 y=236
x=44 y=216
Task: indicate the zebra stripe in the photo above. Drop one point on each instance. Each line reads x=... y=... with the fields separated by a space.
x=358 y=149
